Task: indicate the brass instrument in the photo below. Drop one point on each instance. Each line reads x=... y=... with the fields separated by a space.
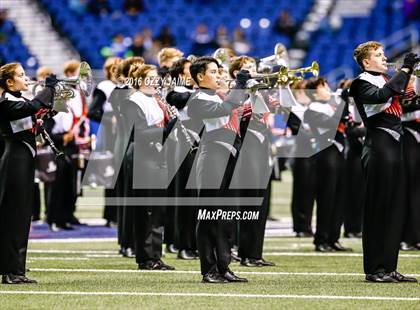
x=64 y=90
x=398 y=64
x=223 y=57
x=279 y=57
x=286 y=76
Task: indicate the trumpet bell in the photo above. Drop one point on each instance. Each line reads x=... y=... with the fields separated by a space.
x=85 y=79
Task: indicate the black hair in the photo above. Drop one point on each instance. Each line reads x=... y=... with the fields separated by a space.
x=200 y=66
x=313 y=83
x=178 y=67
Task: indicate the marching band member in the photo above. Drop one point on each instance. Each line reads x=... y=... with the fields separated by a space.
x=101 y=111
x=355 y=183
x=253 y=170
x=17 y=168
x=185 y=216
x=376 y=98
x=215 y=163
x=150 y=118
x=323 y=118
x=411 y=151
x=166 y=58
x=303 y=168
x=118 y=99
x=69 y=131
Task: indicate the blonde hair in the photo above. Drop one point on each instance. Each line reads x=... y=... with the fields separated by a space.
x=124 y=66
x=71 y=66
x=7 y=72
x=362 y=51
x=110 y=67
x=238 y=63
x=138 y=73
x=43 y=72
x=167 y=53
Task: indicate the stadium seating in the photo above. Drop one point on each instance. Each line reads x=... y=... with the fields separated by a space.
x=335 y=49
x=90 y=33
x=12 y=48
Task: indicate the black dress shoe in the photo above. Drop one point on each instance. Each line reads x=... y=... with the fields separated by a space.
x=59 y=227
x=404 y=246
x=163 y=266
x=401 y=278
x=250 y=262
x=231 y=277
x=16 y=279
x=75 y=221
x=235 y=257
x=150 y=265
x=265 y=263
x=353 y=235
x=323 y=248
x=304 y=234
x=213 y=277
x=337 y=246
x=129 y=253
x=26 y=280
x=186 y=254
x=170 y=248
x=380 y=277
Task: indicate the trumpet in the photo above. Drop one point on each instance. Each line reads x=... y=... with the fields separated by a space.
x=398 y=64
x=279 y=57
x=286 y=76
x=64 y=90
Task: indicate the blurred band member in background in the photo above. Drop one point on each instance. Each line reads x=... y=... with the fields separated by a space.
x=101 y=111
x=303 y=168
x=149 y=117
x=325 y=120
x=185 y=216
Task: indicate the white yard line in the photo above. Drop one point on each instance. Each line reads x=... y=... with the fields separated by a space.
x=73 y=240
x=327 y=254
x=103 y=253
x=172 y=294
x=52 y=251
x=58 y=258
x=269 y=273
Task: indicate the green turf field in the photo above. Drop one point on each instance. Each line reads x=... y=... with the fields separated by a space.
x=90 y=275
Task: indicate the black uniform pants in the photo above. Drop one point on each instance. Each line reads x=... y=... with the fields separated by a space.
x=253 y=176
x=61 y=193
x=185 y=216
x=17 y=169
x=355 y=192
x=412 y=165
x=303 y=194
x=214 y=163
x=384 y=206
x=329 y=167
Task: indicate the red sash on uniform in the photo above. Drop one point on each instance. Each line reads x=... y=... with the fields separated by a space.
x=233 y=123
x=164 y=108
x=395 y=107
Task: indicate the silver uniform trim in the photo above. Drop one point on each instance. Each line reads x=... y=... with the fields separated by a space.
x=378 y=81
x=257 y=134
x=393 y=133
x=414 y=133
x=229 y=147
x=106 y=87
